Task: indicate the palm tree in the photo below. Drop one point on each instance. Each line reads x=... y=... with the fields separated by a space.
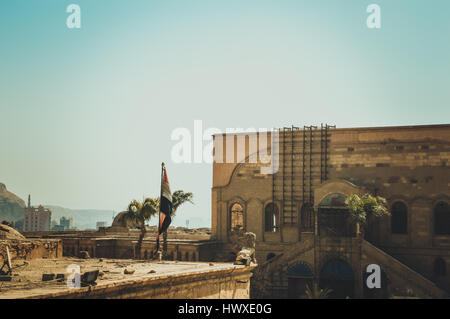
x=179 y=197
x=316 y=293
x=139 y=213
x=365 y=209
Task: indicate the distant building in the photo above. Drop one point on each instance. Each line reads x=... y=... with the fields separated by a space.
x=66 y=223
x=58 y=228
x=102 y=224
x=37 y=218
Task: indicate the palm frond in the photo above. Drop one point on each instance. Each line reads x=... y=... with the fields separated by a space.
x=180 y=197
x=316 y=293
x=365 y=208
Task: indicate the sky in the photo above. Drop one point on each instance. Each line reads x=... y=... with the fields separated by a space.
x=86 y=115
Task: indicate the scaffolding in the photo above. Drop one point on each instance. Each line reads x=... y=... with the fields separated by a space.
x=303 y=155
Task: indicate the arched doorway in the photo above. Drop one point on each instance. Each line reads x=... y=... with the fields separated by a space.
x=299 y=276
x=337 y=275
x=332 y=217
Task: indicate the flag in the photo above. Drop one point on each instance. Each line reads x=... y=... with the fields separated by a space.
x=165 y=205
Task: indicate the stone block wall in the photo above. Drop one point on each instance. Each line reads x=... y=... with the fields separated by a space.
x=31 y=249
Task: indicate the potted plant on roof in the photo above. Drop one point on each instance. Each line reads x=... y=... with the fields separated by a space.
x=365 y=209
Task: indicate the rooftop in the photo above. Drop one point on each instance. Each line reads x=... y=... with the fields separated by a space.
x=27 y=275
x=367 y=128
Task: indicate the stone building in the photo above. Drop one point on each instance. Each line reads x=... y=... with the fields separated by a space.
x=120 y=243
x=299 y=216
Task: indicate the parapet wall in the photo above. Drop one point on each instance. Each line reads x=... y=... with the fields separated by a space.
x=230 y=282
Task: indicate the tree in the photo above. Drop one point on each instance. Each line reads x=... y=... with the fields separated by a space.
x=139 y=213
x=179 y=197
x=365 y=209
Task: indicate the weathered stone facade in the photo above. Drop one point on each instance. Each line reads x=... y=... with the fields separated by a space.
x=31 y=249
x=122 y=245
x=408 y=164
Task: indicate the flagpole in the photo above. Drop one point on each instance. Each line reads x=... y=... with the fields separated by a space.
x=159 y=213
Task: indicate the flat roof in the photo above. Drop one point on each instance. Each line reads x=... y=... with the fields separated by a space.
x=27 y=275
x=401 y=127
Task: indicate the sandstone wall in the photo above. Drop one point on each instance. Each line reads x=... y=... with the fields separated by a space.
x=31 y=249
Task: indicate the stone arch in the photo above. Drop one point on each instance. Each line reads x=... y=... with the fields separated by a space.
x=236 y=214
x=271 y=217
x=334 y=186
x=246 y=161
x=337 y=274
x=300 y=276
x=332 y=216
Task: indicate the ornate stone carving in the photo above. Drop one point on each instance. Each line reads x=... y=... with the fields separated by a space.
x=246 y=255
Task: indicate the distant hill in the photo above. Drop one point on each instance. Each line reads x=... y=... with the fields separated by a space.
x=11 y=205
x=82 y=218
x=12 y=210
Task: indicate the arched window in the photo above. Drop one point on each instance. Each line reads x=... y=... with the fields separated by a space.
x=439 y=267
x=271 y=217
x=237 y=217
x=441 y=219
x=399 y=218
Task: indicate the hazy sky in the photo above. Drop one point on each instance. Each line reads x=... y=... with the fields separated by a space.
x=86 y=114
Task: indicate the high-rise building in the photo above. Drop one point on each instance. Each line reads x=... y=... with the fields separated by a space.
x=37 y=218
x=66 y=223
